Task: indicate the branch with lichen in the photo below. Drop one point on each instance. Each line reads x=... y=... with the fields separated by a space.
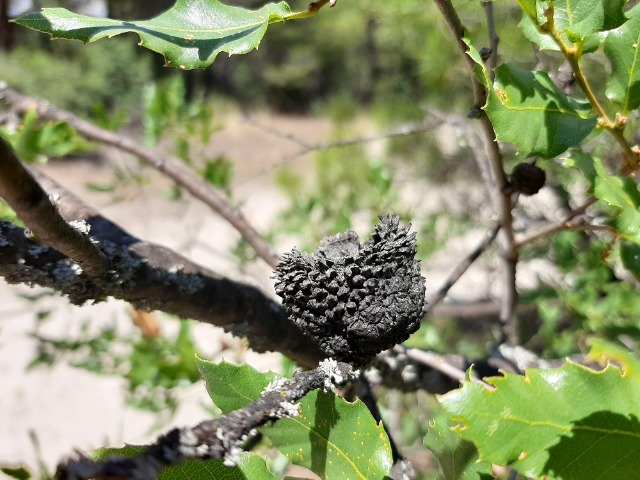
x=221 y=438
x=32 y=204
x=168 y=166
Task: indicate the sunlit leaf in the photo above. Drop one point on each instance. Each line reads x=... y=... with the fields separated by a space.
x=334 y=439
x=232 y=387
x=568 y=423
x=458 y=458
x=577 y=21
x=189 y=35
x=529 y=111
x=622 y=48
x=622 y=193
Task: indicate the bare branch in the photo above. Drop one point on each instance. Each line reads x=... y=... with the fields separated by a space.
x=32 y=204
x=565 y=224
x=494 y=40
x=152 y=277
x=305 y=147
x=168 y=166
x=459 y=270
x=221 y=438
x=499 y=185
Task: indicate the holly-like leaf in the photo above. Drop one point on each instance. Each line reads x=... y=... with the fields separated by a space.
x=232 y=387
x=333 y=438
x=621 y=193
x=189 y=35
x=622 y=48
x=479 y=70
x=630 y=256
x=458 y=458
x=604 y=351
x=568 y=423
x=529 y=111
x=577 y=21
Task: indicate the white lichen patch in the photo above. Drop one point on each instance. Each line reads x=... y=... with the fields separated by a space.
x=332 y=374
x=81 y=226
x=66 y=269
x=288 y=409
x=275 y=385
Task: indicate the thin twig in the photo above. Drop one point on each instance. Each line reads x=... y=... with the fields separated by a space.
x=305 y=147
x=499 y=188
x=168 y=166
x=462 y=267
x=494 y=39
x=32 y=204
x=565 y=224
x=221 y=438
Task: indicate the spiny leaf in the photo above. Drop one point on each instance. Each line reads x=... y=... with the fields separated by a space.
x=529 y=111
x=189 y=35
x=622 y=48
x=458 y=458
x=232 y=387
x=479 y=70
x=334 y=439
x=621 y=193
x=568 y=423
x=577 y=21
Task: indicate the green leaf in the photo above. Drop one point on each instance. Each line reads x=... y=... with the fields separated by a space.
x=604 y=351
x=529 y=111
x=622 y=48
x=189 y=35
x=458 y=458
x=479 y=70
x=568 y=423
x=621 y=193
x=249 y=465
x=232 y=387
x=333 y=438
x=630 y=256
x=578 y=22
x=20 y=473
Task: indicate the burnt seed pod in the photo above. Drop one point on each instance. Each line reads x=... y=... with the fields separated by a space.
x=355 y=300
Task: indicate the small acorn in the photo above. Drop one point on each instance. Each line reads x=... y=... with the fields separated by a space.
x=355 y=300
x=527 y=178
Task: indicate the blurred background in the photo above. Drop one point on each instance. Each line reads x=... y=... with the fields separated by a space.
x=334 y=120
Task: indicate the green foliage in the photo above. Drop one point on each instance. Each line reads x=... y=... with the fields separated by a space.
x=458 y=458
x=544 y=421
x=189 y=35
x=36 y=141
x=152 y=367
x=100 y=80
x=528 y=110
x=330 y=436
x=624 y=83
x=347 y=184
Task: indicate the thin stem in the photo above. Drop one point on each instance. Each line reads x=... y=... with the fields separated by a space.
x=499 y=189
x=573 y=55
x=565 y=224
x=494 y=39
x=462 y=267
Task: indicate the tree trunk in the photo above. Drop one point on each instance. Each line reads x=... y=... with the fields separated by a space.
x=6 y=28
